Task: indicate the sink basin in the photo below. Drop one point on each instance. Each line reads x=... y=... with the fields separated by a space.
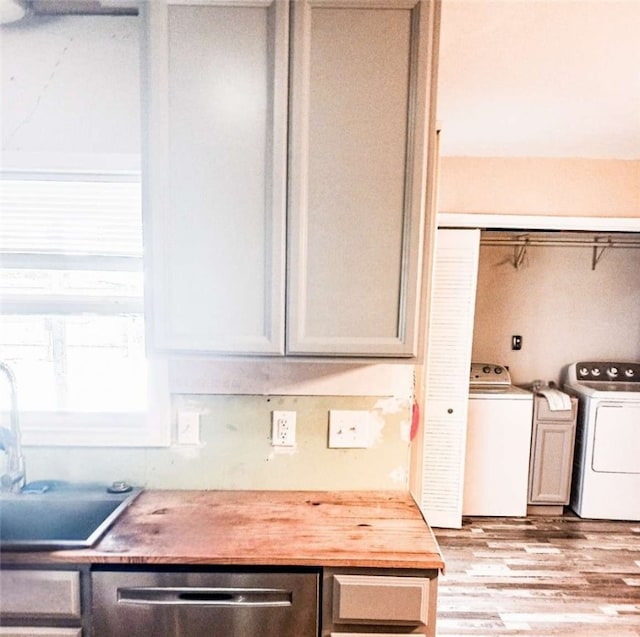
x=56 y=515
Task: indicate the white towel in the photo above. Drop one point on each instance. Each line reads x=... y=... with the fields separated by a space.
x=557 y=400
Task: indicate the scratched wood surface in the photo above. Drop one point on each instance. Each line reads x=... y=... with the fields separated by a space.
x=292 y=528
x=540 y=577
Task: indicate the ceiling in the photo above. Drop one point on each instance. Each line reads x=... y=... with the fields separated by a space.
x=540 y=78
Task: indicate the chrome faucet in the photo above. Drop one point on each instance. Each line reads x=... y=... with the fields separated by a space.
x=13 y=478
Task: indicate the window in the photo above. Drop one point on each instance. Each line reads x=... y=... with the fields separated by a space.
x=72 y=295
x=71 y=303
x=71 y=257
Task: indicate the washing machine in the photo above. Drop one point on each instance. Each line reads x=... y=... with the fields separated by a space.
x=606 y=466
x=496 y=470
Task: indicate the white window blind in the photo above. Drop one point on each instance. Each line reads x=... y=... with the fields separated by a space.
x=72 y=218
x=71 y=293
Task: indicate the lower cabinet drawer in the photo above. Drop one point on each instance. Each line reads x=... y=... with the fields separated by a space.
x=40 y=593
x=29 y=631
x=380 y=600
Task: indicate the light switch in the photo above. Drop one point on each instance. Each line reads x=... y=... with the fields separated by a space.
x=349 y=429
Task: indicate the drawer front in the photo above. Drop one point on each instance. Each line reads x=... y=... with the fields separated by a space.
x=383 y=600
x=30 y=631
x=38 y=593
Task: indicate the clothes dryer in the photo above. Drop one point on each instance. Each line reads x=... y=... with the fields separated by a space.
x=606 y=470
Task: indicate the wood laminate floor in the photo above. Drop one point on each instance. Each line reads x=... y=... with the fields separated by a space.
x=540 y=576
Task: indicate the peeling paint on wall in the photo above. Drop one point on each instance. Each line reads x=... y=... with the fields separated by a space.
x=392 y=405
x=236 y=452
x=376 y=427
x=405 y=430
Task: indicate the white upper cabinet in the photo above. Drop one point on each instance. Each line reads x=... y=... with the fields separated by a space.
x=237 y=213
x=216 y=175
x=358 y=139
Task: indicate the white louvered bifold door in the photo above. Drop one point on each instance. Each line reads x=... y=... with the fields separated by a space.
x=446 y=393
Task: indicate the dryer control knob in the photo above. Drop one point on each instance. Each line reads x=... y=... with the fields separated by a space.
x=612 y=372
x=595 y=371
x=583 y=371
x=629 y=373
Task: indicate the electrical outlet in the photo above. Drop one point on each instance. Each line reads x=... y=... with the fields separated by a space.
x=283 y=428
x=349 y=429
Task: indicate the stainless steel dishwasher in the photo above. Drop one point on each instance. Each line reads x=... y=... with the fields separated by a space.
x=134 y=602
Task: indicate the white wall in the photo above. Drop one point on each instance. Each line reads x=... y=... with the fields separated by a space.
x=563 y=309
x=70 y=93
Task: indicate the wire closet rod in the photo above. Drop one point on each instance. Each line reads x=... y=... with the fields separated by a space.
x=526 y=240
x=599 y=243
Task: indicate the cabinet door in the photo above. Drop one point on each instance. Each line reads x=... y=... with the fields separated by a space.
x=551 y=463
x=359 y=121
x=215 y=174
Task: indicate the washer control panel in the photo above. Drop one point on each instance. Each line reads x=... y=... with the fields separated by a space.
x=489 y=374
x=610 y=372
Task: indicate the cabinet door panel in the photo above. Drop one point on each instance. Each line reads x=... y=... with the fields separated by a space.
x=40 y=593
x=357 y=166
x=368 y=599
x=216 y=175
x=551 y=462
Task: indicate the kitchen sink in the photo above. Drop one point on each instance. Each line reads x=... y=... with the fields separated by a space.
x=49 y=515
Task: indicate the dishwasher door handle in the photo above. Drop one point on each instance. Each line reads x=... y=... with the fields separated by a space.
x=205 y=596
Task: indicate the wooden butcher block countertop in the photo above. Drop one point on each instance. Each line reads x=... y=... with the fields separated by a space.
x=277 y=528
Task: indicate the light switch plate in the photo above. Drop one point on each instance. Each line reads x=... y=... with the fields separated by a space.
x=349 y=429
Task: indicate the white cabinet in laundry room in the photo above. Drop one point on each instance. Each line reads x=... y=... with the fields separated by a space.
x=287 y=148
